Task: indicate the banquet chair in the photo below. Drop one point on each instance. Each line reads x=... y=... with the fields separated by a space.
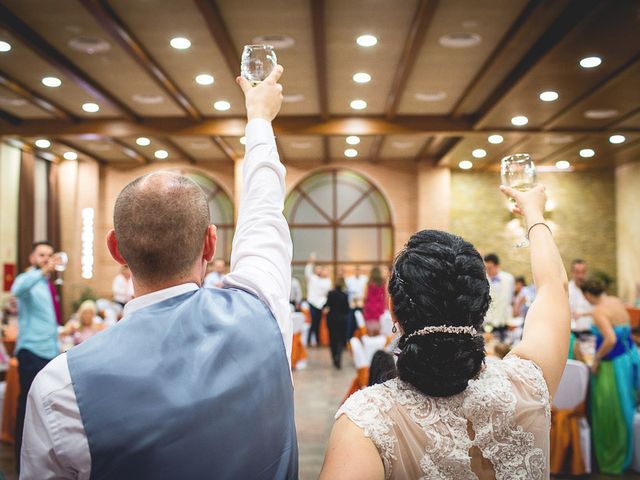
x=569 y=426
x=298 y=350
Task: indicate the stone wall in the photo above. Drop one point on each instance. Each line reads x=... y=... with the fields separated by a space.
x=581 y=213
x=628 y=229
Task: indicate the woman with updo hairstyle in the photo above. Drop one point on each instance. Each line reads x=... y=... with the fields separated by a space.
x=448 y=414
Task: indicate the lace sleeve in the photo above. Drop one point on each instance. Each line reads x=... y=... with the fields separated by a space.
x=369 y=410
x=527 y=378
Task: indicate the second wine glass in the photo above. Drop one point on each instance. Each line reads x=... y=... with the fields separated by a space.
x=257 y=62
x=519 y=172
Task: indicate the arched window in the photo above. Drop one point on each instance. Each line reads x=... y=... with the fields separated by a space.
x=341 y=217
x=221 y=209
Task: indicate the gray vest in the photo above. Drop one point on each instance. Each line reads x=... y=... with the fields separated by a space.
x=194 y=387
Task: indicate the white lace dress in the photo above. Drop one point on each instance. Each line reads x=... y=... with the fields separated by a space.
x=497 y=428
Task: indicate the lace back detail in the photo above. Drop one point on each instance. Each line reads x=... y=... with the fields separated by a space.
x=489 y=404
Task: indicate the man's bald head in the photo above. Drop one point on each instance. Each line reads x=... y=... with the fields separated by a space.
x=160 y=222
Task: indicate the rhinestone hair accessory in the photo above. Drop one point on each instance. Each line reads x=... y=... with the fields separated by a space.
x=402 y=286
x=444 y=329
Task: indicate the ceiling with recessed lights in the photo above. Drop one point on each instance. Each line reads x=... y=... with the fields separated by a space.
x=457 y=83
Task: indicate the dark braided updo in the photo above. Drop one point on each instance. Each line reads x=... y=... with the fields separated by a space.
x=439 y=279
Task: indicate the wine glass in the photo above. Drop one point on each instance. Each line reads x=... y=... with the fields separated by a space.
x=519 y=172
x=257 y=62
x=61 y=266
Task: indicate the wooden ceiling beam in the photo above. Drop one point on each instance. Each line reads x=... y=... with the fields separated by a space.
x=129 y=151
x=181 y=151
x=326 y=150
x=220 y=34
x=224 y=146
x=43 y=49
x=570 y=17
x=35 y=98
x=23 y=145
x=491 y=60
x=112 y=23
x=81 y=150
x=9 y=118
x=376 y=148
x=286 y=125
x=443 y=148
x=320 y=54
x=415 y=39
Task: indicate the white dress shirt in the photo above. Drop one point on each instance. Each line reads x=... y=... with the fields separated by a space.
x=501 y=289
x=317 y=287
x=122 y=288
x=296 y=291
x=579 y=304
x=356 y=287
x=55 y=443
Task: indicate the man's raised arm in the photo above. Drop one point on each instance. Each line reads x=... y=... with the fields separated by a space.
x=262 y=248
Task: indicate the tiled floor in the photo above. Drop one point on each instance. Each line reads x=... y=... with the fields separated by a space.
x=318 y=390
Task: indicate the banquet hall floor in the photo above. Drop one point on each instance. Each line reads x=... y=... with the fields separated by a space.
x=318 y=390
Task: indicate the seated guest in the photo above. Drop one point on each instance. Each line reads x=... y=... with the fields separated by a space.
x=448 y=415
x=178 y=389
x=615 y=379
x=216 y=277
x=338 y=310
x=122 y=286
x=84 y=325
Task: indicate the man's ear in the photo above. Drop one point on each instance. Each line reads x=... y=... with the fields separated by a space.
x=112 y=245
x=210 y=239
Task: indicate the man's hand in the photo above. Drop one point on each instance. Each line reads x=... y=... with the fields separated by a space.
x=265 y=99
x=50 y=266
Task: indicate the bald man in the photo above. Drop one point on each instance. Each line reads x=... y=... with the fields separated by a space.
x=178 y=389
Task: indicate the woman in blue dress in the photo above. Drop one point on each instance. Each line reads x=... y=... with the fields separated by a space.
x=614 y=381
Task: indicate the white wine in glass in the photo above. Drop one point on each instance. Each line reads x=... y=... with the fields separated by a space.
x=518 y=172
x=257 y=62
x=61 y=266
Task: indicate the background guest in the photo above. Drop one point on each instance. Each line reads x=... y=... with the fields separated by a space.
x=356 y=286
x=318 y=286
x=614 y=383
x=295 y=297
x=122 y=286
x=38 y=319
x=337 y=307
x=375 y=300
x=84 y=325
x=581 y=319
x=383 y=368
x=215 y=278
x=501 y=289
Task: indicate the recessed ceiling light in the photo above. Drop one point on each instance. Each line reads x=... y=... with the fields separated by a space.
x=465 y=165
x=615 y=139
x=161 y=154
x=366 y=40
x=276 y=41
x=70 y=155
x=180 y=43
x=460 y=40
x=358 y=104
x=90 y=107
x=562 y=164
x=204 y=79
x=361 y=77
x=479 y=153
x=52 y=82
x=519 y=120
x=243 y=140
x=147 y=98
x=495 y=139
x=89 y=45
x=549 y=96
x=42 y=143
x=587 y=152
x=353 y=140
x=4 y=46
x=350 y=152
x=590 y=62
x=143 y=141
x=431 y=96
x=222 y=105
x=296 y=97
x=601 y=114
